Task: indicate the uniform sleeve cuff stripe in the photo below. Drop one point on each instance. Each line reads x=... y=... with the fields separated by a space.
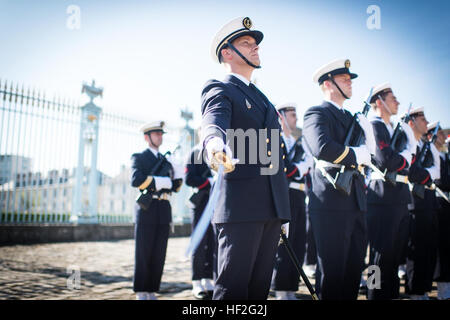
x=292 y=172
x=426 y=179
x=146 y=183
x=403 y=166
x=342 y=156
x=204 y=184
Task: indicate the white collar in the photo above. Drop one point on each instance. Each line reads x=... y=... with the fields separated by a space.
x=241 y=77
x=154 y=151
x=335 y=104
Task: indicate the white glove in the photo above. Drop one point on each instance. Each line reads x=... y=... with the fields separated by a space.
x=412 y=142
x=162 y=183
x=368 y=133
x=435 y=170
x=216 y=145
x=362 y=155
x=407 y=155
x=305 y=165
x=286 y=229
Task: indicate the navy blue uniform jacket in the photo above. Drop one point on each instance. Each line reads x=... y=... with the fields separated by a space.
x=386 y=157
x=325 y=128
x=247 y=196
x=141 y=167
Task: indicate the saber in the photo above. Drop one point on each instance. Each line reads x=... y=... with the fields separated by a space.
x=297 y=265
x=441 y=193
x=205 y=219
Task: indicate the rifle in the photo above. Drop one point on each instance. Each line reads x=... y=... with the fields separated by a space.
x=391 y=176
x=344 y=178
x=419 y=189
x=145 y=197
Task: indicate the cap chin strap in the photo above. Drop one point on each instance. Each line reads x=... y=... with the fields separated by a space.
x=151 y=141
x=334 y=82
x=242 y=56
x=385 y=105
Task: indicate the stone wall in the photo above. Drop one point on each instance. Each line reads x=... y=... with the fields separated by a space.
x=47 y=233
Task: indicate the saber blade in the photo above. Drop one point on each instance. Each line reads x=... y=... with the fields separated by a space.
x=205 y=219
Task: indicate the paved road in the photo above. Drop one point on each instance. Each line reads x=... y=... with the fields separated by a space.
x=105 y=269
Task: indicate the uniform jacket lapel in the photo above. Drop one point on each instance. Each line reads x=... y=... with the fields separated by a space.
x=250 y=94
x=344 y=118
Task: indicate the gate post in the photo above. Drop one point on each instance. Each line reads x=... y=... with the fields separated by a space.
x=84 y=210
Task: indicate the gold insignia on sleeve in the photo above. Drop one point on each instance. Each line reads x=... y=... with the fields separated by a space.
x=146 y=183
x=342 y=156
x=247 y=23
x=347 y=63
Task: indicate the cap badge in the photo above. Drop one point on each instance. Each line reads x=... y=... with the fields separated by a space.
x=247 y=23
x=347 y=63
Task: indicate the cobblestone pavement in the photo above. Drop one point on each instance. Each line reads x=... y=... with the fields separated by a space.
x=49 y=271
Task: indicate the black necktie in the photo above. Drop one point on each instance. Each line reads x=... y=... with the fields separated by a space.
x=259 y=93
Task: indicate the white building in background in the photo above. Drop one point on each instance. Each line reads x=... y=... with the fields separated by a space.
x=11 y=165
x=53 y=194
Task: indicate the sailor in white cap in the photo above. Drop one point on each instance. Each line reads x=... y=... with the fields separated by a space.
x=425 y=168
x=443 y=267
x=285 y=278
x=387 y=199
x=253 y=202
x=156 y=177
x=338 y=219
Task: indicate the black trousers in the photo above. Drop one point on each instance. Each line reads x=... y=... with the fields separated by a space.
x=246 y=256
x=422 y=251
x=150 y=246
x=311 y=251
x=285 y=276
x=443 y=214
x=388 y=230
x=203 y=257
x=341 y=242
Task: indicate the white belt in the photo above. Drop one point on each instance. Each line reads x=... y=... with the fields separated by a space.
x=297 y=186
x=164 y=196
x=398 y=178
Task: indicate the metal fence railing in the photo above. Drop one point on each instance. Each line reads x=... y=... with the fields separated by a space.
x=39 y=148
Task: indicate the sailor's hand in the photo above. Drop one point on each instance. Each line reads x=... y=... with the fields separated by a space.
x=368 y=133
x=412 y=142
x=362 y=155
x=285 y=229
x=435 y=170
x=220 y=154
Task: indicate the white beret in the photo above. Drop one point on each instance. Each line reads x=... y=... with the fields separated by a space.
x=234 y=29
x=414 y=111
x=335 y=67
x=153 y=126
x=433 y=125
x=381 y=88
x=288 y=106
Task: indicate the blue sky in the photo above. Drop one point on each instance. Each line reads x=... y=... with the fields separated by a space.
x=152 y=57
